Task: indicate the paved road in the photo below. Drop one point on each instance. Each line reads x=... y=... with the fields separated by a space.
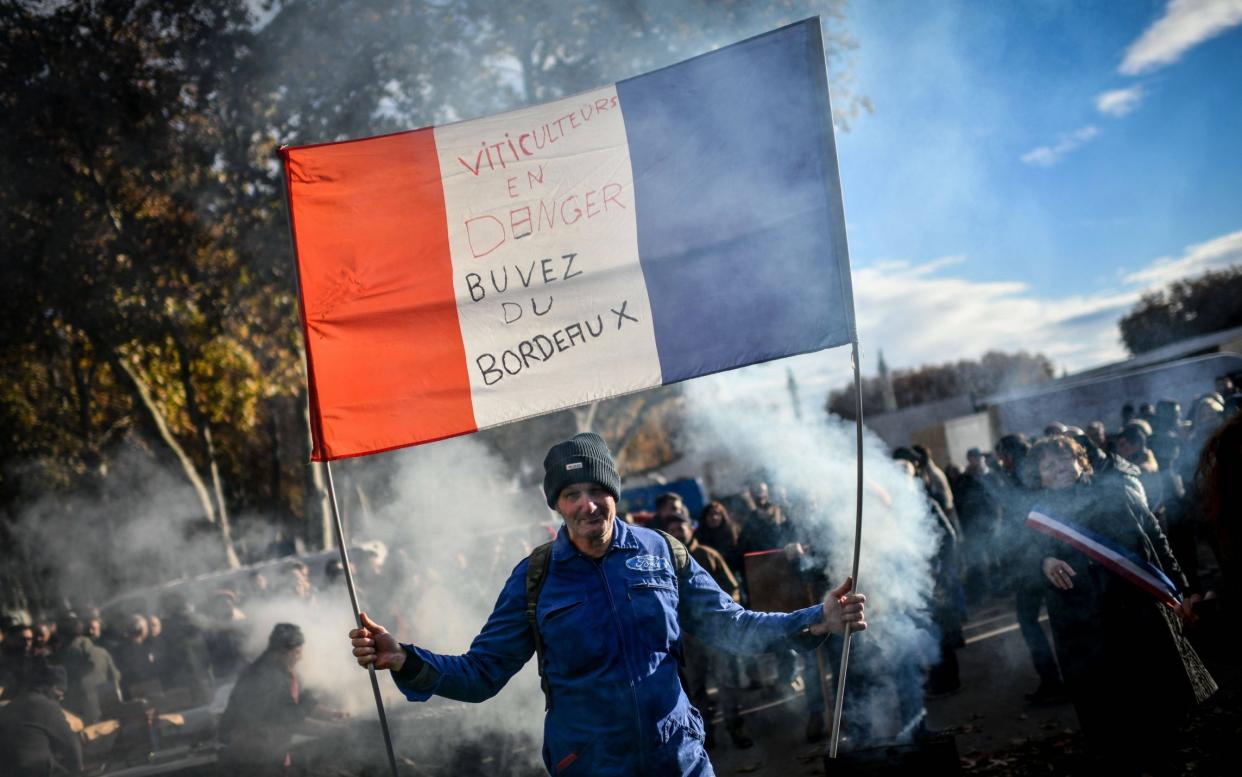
x=989 y=712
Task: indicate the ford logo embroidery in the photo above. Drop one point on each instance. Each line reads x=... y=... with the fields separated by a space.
x=646 y=563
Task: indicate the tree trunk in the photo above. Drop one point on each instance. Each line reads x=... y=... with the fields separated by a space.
x=203 y=430
x=137 y=386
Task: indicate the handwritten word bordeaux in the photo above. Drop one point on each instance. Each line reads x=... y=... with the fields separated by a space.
x=541 y=347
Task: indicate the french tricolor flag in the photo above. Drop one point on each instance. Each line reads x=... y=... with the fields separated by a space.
x=1118 y=560
x=672 y=225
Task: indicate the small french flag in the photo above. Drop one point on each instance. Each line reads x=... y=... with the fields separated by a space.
x=672 y=225
x=1107 y=553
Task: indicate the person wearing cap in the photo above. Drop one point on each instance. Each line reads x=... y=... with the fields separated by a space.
x=610 y=615
x=268 y=706
x=35 y=738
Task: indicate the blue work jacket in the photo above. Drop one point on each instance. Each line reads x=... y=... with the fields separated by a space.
x=611 y=631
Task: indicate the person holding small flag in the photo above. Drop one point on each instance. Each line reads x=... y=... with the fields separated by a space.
x=1116 y=607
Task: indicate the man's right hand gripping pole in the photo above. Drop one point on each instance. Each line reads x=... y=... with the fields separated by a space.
x=374 y=646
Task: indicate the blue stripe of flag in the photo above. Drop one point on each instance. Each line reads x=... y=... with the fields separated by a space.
x=741 y=232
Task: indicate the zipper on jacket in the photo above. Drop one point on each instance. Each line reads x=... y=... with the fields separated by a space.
x=629 y=668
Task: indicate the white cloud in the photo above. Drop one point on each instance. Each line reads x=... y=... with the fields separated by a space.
x=1223 y=251
x=917 y=315
x=1184 y=25
x=1119 y=102
x=918 y=319
x=1046 y=156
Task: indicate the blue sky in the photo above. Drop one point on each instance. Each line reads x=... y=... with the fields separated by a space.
x=1030 y=169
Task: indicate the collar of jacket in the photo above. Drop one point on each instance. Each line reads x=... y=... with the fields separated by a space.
x=622 y=539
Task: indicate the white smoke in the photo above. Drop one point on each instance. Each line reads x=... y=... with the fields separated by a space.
x=461 y=522
x=142 y=524
x=814 y=463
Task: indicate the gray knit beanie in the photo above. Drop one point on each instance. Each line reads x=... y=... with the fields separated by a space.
x=584 y=458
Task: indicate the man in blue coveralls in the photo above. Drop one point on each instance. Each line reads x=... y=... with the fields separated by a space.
x=610 y=611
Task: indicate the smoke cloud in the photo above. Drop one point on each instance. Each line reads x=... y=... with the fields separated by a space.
x=455 y=522
x=141 y=526
x=813 y=463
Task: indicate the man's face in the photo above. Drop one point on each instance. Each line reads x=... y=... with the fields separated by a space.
x=22 y=640
x=680 y=530
x=1097 y=434
x=588 y=510
x=668 y=509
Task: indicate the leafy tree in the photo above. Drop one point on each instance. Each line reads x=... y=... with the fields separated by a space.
x=151 y=295
x=1185 y=308
x=101 y=207
x=991 y=373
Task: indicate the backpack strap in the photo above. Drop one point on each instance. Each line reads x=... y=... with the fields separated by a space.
x=681 y=556
x=536 y=574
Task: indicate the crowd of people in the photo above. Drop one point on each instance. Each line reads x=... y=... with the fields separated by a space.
x=1137 y=515
x=1161 y=490
x=769 y=550
x=112 y=673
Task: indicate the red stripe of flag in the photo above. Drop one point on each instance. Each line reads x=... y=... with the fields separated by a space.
x=385 y=354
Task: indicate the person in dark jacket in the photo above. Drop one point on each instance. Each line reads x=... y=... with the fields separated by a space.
x=1130 y=670
x=94 y=680
x=769 y=528
x=719 y=531
x=135 y=658
x=1018 y=555
x=1218 y=488
x=268 y=706
x=182 y=659
x=702 y=664
x=979 y=512
x=35 y=738
x=18 y=648
x=226 y=635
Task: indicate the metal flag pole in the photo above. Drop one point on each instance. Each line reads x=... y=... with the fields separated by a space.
x=353 y=600
x=845 y=649
x=336 y=512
